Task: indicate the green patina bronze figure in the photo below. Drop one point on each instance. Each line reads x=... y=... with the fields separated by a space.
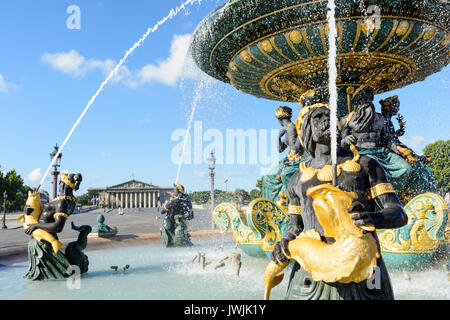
x=43 y=223
x=276 y=182
x=177 y=210
x=374 y=136
x=102 y=229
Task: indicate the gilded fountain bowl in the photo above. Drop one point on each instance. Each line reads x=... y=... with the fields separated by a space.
x=279 y=49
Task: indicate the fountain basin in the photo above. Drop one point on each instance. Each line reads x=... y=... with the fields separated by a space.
x=278 y=50
x=160 y=273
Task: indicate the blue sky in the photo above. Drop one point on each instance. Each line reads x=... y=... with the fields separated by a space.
x=48 y=73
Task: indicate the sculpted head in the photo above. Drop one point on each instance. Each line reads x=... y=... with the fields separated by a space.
x=71 y=180
x=363 y=96
x=283 y=113
x=314 y=126
x=390 y=106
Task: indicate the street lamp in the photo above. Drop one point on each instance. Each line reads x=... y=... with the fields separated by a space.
x=55 y=172
x=212 y=165
x=5 y=196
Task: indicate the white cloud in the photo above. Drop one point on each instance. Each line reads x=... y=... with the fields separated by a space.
x=416 y=141
x=413 y=142
x=35 y=175
x=179 y=64
x=173 y=68
x=5 y=86
x=77 y=65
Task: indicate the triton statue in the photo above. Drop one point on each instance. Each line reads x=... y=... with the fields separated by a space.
x=331 y=234
x=43 y=223
x=366 y=129
x=177 y=209
x=374 y=135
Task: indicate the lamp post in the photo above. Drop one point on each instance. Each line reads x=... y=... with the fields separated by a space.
x=212 y=165
x=5 y=196
x=55 y=172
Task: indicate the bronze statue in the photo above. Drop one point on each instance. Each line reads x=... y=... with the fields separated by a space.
x=276 y=182
x=177 y=210
x=43 y=223
x=366 y=129
x=362 y=187
x=389 y=108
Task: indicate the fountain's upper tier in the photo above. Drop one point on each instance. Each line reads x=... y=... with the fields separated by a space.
x=278 y=49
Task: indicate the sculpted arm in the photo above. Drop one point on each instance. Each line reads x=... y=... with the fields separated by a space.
x=381 y=192
x=295 y=222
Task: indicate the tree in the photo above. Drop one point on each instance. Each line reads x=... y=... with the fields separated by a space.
x=242 y=196
x=84 y=200
x=439 y=151
x=255 y=193
x=17 y=192
x=259 y=184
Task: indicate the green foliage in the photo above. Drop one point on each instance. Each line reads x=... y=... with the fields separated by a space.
x=84 y=200
x=440 y=152
x=17 y=192
x=259 y=184
x=239 y=196
x=255 y=193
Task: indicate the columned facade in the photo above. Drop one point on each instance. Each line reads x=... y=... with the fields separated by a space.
x=132 y=194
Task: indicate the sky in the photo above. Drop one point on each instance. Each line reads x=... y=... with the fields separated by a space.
x=51 y=66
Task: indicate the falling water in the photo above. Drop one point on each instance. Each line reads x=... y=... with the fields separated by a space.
x=199 y=91
x=173 y=13
x=332 y=75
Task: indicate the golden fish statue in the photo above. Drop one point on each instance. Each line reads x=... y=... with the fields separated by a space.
x=34 y=202
x=350 y=258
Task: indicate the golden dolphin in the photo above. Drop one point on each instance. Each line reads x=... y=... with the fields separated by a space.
x=350 y=258
x=34 y=201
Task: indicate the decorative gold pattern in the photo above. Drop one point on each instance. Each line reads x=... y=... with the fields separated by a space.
x=60 y=214
x=294 y=209
x=65 y=198
x=325 y=173
x=427 y=218
x=380 y=189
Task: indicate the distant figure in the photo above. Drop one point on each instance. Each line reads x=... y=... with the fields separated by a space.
x=120 y=210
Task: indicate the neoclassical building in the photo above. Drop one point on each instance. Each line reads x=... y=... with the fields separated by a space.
x=132 y=194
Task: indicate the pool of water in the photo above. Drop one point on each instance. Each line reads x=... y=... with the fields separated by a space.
x=161 y=273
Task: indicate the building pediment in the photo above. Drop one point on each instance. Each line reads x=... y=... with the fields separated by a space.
x=132 y=184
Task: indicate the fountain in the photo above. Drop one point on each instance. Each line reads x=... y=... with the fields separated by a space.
x=276 y=50
x=279 y=50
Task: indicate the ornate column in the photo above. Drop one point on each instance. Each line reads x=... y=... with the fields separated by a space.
x=126 y=199
x=140 y=199
x=154 y=199
x=145 y=199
